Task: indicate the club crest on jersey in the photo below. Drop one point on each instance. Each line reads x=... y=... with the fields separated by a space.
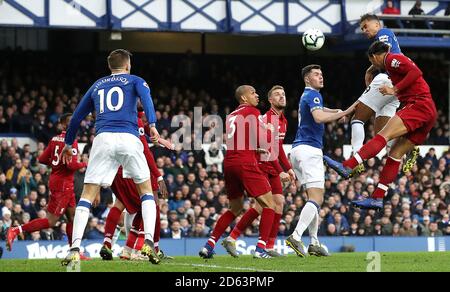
x=395 y=63
x=141 y=131
x=74 y=151
x=146 y=85
x=316 y=100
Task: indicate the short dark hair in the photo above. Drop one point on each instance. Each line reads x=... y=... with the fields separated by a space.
x=377 y=48
x=118 y=58
x=275 y=87
x=64 y=117
x=240 y=91
x=307 y=69
x=368 y=16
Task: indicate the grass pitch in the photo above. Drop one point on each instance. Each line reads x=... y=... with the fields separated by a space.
x=341 y=262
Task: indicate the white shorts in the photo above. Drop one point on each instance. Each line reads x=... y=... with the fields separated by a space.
x=307 y=162
x=382 y=105
x=111 y=150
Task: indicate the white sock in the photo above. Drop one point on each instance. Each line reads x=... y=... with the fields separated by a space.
x=313 y=228
x=148 y=215
x=79 y=222
x=128 y=222
x=115 y=236
x=358 y=135
x=306 y=216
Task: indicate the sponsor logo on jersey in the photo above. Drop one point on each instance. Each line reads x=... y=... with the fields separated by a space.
x=384 y=38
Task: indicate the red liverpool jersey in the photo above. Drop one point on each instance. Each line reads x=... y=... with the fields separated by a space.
x=242 y=133
x=273 y=166
x=61 y=178
x=406 y=77
x=154 y=171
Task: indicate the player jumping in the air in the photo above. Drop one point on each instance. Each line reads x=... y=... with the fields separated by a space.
x=410 y=125
x=371 y=101
x=274 y=173
x=114 y=99
x=242 y=173
x=307 y=158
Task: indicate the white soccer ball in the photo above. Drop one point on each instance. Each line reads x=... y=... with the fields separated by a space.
x=313 y=39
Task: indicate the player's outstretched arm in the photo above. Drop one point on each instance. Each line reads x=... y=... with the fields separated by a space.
x=85 y=107
x=320 y=116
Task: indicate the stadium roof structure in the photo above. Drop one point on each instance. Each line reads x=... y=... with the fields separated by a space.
x=338 y=18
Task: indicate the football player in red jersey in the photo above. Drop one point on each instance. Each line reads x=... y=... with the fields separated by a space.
x=241 y=171
x=127 y=197
x=411 y=124
x=62 y=196
x=275 y=173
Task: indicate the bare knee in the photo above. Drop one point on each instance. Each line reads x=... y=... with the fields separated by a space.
x=266 y=201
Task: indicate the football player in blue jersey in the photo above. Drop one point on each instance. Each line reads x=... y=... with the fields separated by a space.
x=307 y=158
x=114 y=99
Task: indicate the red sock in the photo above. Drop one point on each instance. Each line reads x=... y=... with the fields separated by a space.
x=35 y=225
x=245 y=221
x=140 y=241
x=221 y=225
x=369 y=150
x=387 y=176
x=274 y=231
x=132 y=237
x=110 y=227
x=265 y=226
x=157 y=228
x=69 y=230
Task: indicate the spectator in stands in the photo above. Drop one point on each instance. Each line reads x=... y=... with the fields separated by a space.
x=433 y=231
x=165 y=230
x=407 y=229
x=213 y=156
x=391 y=9
x=15 y=173
x=96 y=229
x=417 y=10
x=176 y=232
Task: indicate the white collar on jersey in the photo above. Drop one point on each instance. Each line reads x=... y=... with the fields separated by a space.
x=113 y=74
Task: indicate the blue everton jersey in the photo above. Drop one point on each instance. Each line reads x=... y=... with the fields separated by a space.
x=386 y=35
x=114 y=99
x=309 y=132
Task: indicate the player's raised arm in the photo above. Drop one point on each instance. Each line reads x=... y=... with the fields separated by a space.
x=83 y=109
x=143 y=91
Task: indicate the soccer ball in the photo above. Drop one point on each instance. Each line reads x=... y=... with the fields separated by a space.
x=313 y=39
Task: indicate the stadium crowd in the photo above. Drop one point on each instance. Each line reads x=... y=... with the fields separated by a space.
x=36 y=88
